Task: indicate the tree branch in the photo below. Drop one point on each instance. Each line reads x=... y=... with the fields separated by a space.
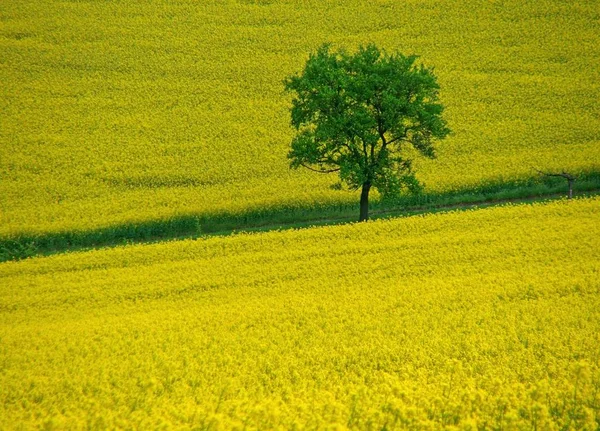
x=399 y=138
x=373 y=151
x=570 y=178
x=352 y=150
x=321 y=171
x=384 y=143
x=564 y=174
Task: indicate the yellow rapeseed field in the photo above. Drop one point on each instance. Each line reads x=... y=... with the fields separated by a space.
x=477 y=320
x=118 y=112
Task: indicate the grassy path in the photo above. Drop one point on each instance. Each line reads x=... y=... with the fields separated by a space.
x=194 y=226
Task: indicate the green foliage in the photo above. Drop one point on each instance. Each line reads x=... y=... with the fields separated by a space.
x=15 y=249
x=355 y=114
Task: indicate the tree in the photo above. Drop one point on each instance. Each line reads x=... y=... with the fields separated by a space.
x=355 y=114
x=567 y=176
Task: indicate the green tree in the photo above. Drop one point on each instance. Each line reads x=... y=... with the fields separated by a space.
x=355 y=114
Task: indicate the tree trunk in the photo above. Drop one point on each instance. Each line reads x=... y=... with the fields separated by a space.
x=570 y=187
x=364 y=202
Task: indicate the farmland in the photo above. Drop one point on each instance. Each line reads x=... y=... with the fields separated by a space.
x=486 y=319
x=166 y=120
x=121 y=113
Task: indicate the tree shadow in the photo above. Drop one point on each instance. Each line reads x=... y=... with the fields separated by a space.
x=287 y=217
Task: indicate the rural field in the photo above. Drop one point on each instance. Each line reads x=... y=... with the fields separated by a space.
x=476 y=320
x=117 y=113
x=253 y=304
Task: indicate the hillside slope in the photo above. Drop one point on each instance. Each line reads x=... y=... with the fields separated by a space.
x=117 y=113
x=487 y=318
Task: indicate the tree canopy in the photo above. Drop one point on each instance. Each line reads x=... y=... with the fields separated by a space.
x=354 y=114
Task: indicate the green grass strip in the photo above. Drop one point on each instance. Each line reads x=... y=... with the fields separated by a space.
x=533 y=189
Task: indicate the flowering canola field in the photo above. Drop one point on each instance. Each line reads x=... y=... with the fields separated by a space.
x=116 y=113
x=486 y=319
